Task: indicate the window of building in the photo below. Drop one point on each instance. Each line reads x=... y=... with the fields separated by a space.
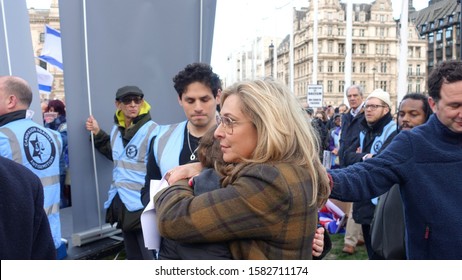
x=409 y=52
x=43 y=64
x=330 y=84
x=341 y=86
x=417 y=70
x=409 y=86
x=362 y=67
x=430 y=38
x=362 y=48
x=319 y=82
x=353 y=67
x=341 y=66
x=330 y=66
x=363 y=85
x=383 y=67
x=441 y=22
x=449 y=32
x=417 y=86
x=353 y=48
x=341 y=48
x=409 y=69
x=362 y=32
x=432 y=25
x=383 y=85
x=329 y=30
x=42 y=37
x=417 y=52
x=382 y=18
x=439 y=35
x=340 y=31
x=320 y=67
x=450 y=19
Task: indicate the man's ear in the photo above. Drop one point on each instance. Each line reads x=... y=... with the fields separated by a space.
x=117 y=104
x=179 y=101
x=12 y=102
x=432 y=104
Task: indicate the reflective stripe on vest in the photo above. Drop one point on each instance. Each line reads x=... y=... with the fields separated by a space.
x=129 y=170
x=168 y=146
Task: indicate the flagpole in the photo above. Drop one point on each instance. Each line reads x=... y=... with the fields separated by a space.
x=348 y=45
x=87 y=70
x=402 y=75
x=6 y=39
x=200 y=31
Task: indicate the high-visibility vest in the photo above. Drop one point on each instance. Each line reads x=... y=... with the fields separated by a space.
x=168 y=145
x=130 y=163
x=39 y=149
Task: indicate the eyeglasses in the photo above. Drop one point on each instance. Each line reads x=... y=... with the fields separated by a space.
x=228 y=123
x=373 y=107
x=127 y=100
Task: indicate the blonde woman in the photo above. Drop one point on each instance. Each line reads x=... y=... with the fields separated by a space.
x=273 y=180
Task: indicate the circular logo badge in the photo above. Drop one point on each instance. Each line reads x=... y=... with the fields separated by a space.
x=39 y=148
x=377 y=146
x=131 y=151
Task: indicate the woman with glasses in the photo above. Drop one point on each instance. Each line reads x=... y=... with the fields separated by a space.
x=272 y=182
x=127 y=146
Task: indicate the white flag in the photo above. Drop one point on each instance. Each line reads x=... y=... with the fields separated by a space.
x=51 y=52
x=44 y=79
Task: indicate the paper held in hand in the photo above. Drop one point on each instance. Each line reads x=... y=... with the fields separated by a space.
x=148 y=217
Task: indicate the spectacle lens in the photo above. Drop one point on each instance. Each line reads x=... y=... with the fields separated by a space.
x=128 y=100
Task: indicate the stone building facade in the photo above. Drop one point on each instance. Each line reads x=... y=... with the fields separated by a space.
x=375 y=51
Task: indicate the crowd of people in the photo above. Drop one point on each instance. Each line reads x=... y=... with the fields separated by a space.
x=251 y=172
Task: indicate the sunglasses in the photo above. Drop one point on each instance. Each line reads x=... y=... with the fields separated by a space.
x=127 y=100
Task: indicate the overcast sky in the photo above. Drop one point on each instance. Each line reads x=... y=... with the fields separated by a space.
x=239 y=21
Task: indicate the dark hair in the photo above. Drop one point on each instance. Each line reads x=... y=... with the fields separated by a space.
x=196 y=72
x=209 y=152
x=59 y=107
x=448 y=71
x=418 y=96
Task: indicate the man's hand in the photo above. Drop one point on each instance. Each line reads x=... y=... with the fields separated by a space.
x=92 y=125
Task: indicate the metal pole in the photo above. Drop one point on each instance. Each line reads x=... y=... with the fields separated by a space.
x=5 y=32
x=460 y=28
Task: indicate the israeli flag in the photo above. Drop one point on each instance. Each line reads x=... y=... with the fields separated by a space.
x=44 y=79
x=51 y=52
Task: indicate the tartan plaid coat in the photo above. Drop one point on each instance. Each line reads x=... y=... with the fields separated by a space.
x=263 y=214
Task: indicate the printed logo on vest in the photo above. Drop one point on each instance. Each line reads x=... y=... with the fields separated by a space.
x=131 y=151
x=39 y=148
x=377 y=146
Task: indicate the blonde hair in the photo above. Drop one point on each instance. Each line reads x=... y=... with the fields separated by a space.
x=284 y=134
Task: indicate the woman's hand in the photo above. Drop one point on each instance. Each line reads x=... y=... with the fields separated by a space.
x=185 y=171
x=318 y=242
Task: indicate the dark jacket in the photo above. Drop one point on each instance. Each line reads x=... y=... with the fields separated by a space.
x=24 y=229
x=426 y=162
x=351 y=126
x=363 y=211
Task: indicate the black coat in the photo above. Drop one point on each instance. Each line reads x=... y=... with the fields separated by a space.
x=24 y=229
